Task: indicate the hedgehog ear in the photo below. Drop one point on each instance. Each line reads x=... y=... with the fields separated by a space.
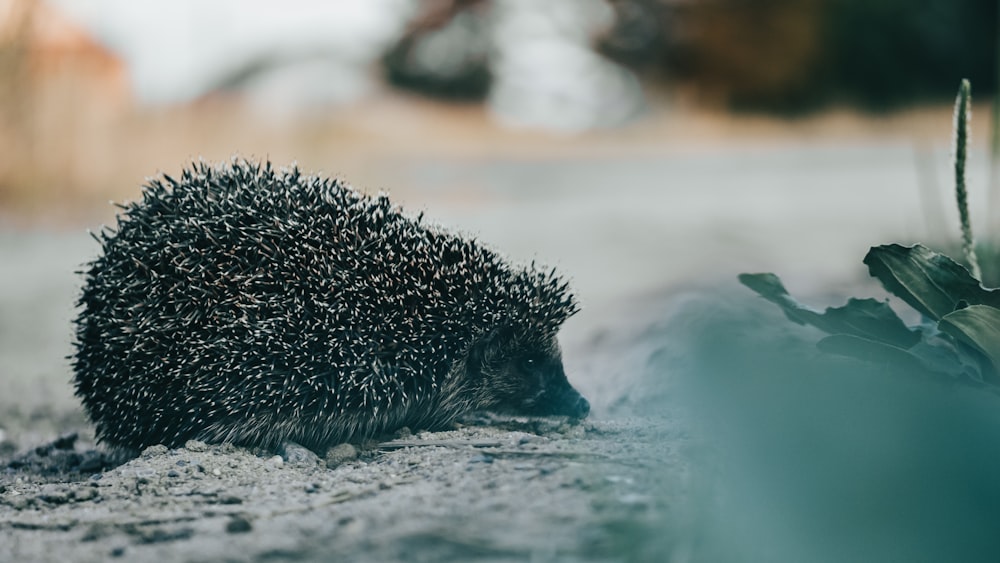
x=489 y=346
x=499 y=339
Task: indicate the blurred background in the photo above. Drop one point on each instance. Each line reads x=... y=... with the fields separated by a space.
x=644 y=147
x=647 y=148
x=656 y=139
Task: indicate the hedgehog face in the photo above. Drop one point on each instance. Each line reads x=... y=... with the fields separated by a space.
x=522 y=374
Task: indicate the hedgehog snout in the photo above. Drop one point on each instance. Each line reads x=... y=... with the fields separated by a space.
x=555 y=395
x=581 y=407
x=572 y=404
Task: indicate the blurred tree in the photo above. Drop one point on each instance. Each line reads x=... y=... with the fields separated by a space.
x=895 y=51
x=15 y=93
x=640 y=35
x=765 y=53
x=793 y=55
x=60 y=94
x=534 y=64
x=445 y=52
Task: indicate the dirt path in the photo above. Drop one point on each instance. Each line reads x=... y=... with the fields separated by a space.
x=522 y=491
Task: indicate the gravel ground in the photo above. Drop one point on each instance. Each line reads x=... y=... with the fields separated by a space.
x=514 y=492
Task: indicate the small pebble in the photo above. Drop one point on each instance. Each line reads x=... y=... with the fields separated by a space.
x=92 y=461
x=173 y=473
x=196 y=446
x=238 y=525
x=19 y=502
x=65 y=442
x=482 y=459
x=295 y=454
x=340 y=454
x=85 y=494
x=95 y=532
x=634 y=499
x=153 y=451
x=54 y=497
x=216 y=472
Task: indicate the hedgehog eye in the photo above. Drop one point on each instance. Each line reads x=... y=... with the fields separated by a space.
x=528 y=364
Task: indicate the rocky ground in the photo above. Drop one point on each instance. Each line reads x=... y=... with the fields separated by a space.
x=517 y=491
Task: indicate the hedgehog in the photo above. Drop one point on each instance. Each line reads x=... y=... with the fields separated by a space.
x=258 y=306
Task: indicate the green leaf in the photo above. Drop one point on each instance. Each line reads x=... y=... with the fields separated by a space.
x=977 y=326
x=932 y=355
x=931 y=283
x=871 y=351
x=865 y=318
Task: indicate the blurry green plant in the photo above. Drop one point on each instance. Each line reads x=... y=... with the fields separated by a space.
x=959 y=335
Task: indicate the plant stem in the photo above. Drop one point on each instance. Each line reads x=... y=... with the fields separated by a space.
x=961 y=149
x=994 y=197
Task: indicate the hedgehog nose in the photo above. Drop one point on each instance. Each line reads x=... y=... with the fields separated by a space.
x=582 y=408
